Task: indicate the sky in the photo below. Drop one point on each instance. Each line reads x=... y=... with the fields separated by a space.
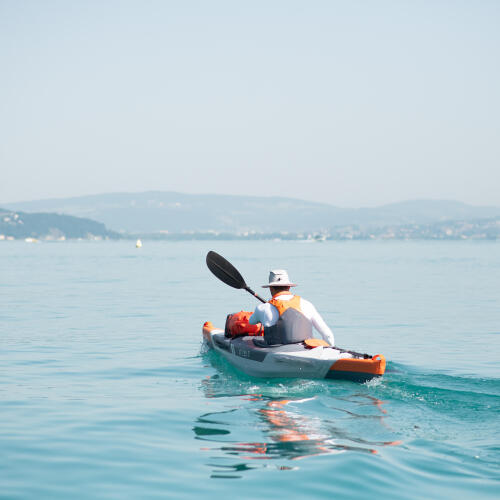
x=353 y=103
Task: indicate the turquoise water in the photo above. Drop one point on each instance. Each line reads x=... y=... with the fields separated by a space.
x=107 y=392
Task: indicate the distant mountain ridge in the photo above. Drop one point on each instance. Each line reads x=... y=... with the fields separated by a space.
x=156 y=211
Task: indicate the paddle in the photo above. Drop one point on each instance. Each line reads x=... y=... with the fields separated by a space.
x=227 y=273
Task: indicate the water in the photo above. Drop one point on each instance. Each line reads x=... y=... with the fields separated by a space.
x=107 y=392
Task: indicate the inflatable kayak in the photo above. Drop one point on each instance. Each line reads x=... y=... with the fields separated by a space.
x=252 y=356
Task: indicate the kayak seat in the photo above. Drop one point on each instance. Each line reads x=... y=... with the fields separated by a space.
x=260 y=342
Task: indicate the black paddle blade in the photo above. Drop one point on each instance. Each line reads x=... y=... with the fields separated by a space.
x=224 y=270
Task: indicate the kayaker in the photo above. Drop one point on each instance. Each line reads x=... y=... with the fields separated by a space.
x=288 y=318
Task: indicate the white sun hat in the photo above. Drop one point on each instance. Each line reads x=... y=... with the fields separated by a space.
x=278 y=277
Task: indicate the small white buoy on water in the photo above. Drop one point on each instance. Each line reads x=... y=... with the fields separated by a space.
x=138 y=244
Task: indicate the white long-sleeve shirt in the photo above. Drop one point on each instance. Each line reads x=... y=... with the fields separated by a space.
x=268 y=315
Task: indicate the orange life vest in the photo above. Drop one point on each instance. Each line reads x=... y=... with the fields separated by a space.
x=283 y=305
x=292 y=326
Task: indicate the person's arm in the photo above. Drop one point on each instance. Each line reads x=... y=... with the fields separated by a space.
x=255 y=317
x=264 y=314
x=319 y=323
x=323 y=329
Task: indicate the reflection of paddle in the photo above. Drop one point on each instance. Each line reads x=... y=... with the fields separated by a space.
x=227 y=273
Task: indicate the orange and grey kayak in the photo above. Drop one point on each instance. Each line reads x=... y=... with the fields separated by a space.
x=313 y=359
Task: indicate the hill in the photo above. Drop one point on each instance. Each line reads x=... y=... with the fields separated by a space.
x=156 y=211
x=21 y=225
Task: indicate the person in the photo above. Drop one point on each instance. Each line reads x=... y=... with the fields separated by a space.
x=288 y=318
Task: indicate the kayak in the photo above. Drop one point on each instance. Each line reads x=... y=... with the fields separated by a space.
x=252 y=356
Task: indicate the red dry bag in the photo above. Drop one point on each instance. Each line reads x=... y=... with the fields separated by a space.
x=237 y=325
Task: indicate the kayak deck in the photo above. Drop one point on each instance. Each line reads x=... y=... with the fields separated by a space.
x=292 y=360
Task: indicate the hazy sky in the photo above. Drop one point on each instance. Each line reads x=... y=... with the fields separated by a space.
x=354 y=103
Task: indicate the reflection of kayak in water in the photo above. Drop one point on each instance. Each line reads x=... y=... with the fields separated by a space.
x=249 y=355
x=288 y=429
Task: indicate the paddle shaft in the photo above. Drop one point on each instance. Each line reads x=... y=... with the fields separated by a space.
x=249 y=290
x=354 y=353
